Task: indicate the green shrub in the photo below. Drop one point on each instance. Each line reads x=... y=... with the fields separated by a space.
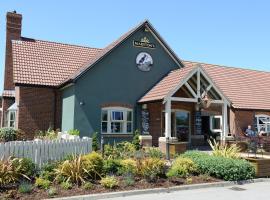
x=52 y=192
x=109 y=182
x=25 y=187
x=151 y=168
x=128 y=181
x=46 y=135
x=73 y=171
x=42 y=183
x=220 y=167
x=66 y=185
x=87 y=186
x=136 y=140
x=128 y=166
x=182 y=167
x=154 y=152
x=74 y=132
x=48 y=171
x=10 y=173
x=8 y=134
x=120 y=150
x=95 y=142
x=25 y=166
x=111 y=166
x=93 y=163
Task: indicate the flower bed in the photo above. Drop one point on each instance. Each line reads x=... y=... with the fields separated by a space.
x=122 y=167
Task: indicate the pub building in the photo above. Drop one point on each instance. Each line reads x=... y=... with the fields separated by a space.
x=135 y=83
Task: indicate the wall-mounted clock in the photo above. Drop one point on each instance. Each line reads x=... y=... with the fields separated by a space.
x=144 y=61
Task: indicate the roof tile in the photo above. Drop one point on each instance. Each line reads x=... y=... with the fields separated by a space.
x=46 y=63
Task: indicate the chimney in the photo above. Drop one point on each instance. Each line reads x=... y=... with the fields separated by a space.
x=13 y=32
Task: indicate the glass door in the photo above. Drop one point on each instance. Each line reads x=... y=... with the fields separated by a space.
x=182 y=125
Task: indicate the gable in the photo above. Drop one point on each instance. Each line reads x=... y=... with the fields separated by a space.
x=188 y=84
x=145 y=27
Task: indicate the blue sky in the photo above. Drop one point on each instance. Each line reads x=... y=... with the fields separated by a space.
x=229 y=32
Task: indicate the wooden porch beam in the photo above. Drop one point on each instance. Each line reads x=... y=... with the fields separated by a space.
x=184 y=99
x=190 y=89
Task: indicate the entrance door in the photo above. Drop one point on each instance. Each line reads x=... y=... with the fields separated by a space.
x=180 y=124
x=206 y=127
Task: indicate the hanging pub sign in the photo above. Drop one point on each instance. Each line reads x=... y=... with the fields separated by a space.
x=144 y=43
x=145 y=121
x=198 y=123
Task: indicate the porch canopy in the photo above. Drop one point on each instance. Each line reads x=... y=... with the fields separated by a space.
x=198 y=87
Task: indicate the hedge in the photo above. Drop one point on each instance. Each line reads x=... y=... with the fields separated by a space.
x=224 y=168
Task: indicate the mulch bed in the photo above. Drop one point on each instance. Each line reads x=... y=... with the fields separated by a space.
x=97 y=188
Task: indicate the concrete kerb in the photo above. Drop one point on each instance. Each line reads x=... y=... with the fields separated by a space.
x=160 y=190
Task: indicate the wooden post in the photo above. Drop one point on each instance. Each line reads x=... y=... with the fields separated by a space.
x=224 y=122
x=198 y=84
x=168 y=119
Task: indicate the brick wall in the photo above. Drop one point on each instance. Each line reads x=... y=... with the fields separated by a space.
x=243 y=118
x=38 y=109
x=13 y=32
x=0 y=112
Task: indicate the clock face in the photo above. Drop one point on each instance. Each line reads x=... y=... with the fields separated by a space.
x=144 y=61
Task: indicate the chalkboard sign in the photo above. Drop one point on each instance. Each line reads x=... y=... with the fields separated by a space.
x=145 y=121
x=198 y=123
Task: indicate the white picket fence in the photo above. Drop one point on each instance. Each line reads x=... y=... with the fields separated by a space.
x=42 y=152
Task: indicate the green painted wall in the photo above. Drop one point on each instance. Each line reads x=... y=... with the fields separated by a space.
x=117 y=79
x=68 y=104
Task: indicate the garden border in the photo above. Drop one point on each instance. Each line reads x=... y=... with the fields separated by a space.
x=161 y=190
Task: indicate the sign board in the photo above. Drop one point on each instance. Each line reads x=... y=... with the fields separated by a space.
x=144 y=43
x=198 y=123
x=145 y=121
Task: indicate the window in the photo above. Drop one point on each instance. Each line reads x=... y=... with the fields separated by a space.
x=262 y=123
x=116 y=120
x=11 y=116
x=216 y=123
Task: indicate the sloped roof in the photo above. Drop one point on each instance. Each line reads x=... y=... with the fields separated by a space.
x=246 y=89
x=46 y=63
x=38 y=62
x=8 y=93
x=168 y=83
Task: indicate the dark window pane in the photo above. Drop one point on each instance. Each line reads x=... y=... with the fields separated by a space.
x=117 y=127
x=216 y=123
x=129 y=127
x=129 y=115
x=117 y=115
x=104 y=127
x=104 y=115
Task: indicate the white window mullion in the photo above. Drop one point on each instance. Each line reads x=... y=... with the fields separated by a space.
x=109 y=121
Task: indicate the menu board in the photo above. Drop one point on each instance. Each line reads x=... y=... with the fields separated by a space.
x=145 y=121
x=198 y=123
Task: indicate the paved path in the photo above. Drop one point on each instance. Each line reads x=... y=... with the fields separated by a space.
x=254 y=191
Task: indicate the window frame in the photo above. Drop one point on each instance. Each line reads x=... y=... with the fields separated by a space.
x=9 y=119
x=110 y=120
x=266 y=125
x=211 y=123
